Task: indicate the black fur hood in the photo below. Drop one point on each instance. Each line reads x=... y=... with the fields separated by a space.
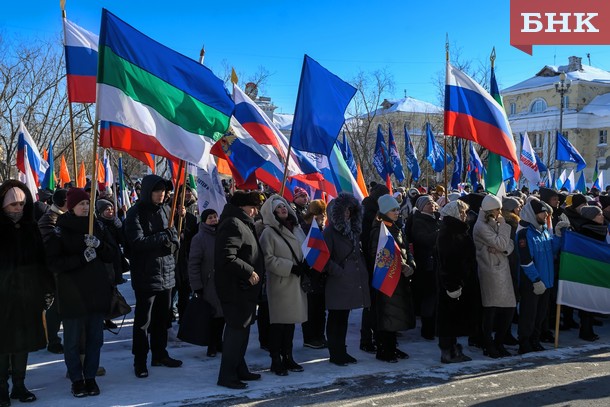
x=353 y=227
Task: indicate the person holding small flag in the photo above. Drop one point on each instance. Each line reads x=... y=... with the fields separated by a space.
x=281 y=242
x=393 y=312
x=347 y=285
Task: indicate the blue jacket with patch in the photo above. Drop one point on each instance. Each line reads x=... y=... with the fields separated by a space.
x=537 y=250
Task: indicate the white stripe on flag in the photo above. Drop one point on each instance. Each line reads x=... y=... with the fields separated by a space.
x=585 y=297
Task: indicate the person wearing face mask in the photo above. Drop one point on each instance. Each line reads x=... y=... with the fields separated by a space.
x=456 y=265
x=395 y=313
x=78 y=260
x=201 y=275
x=493 y=243
x=537 y=248
x=281 y=243
x=24 y=282
x=423 y=233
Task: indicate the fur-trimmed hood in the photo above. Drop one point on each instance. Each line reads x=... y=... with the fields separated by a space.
x=268 y=215
x=353 y=228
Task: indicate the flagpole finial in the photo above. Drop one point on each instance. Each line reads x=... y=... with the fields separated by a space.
x=202 y=54
x=492 y=57
x=447 y=47
x=62 y=5
x=234 y=78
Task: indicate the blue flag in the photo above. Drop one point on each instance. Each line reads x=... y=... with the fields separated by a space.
x=394 y=157
x=411 y=157
x=435 y=153
x=541 y=167
x=381 y=159
x=348 y=156
x=320 y=108
x=581 y=185
x=456 y=178
x=566 y=152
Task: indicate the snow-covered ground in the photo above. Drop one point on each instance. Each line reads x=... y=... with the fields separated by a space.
x=195 y=381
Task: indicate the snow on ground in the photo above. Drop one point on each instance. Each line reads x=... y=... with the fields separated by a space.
x=195 y=381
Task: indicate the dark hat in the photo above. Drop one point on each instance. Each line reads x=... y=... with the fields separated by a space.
x=206 y=213
x=538 y=206
x=604 y=200
x=74 y=196
x=509 y=203
x=547 y=193
x=160 y=186
x=243 y=198
x=102 y=204
x=590 y=211
x=44 y=194
x=578 y=199
x=59 y=197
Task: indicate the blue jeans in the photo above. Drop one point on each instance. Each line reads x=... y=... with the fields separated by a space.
x=91 y=329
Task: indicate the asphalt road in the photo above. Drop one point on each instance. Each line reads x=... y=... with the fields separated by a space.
x=579 y=380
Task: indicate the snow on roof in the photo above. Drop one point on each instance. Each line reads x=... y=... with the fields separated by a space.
x=410 y=105
x=587 y=74
x=283 y=121
x=599 y=106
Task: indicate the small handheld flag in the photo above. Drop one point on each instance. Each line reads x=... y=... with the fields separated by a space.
x=314 y=247
x=387 y=263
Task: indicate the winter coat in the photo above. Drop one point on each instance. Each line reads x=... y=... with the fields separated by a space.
x=114 y=231
x=201 y=265
x=594 y=230
x=347 y=285
x=424 y=231
x=513 y=219
x=237 y=255
x=494 y=268
x=24 y=279
x=189 y=229
x=395 y=313
x=83 y=288
x=47 y=222
x=287 y=301
x=151 y=242
x=576 y=220
x=456 y=268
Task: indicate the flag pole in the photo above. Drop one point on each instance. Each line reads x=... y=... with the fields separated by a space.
x=63 y=16
x=175 y=200
x=182 y=198
x=93 y=176
x=557 y=317
x=444 y=135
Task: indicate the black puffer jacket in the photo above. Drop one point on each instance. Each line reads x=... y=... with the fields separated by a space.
x=83 y=287
x=237 y=254
x=151 y=242
x=24 y=279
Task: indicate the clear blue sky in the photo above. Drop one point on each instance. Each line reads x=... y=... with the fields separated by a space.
x=344 y=36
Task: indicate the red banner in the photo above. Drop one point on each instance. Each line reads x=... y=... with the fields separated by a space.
x=559 y=22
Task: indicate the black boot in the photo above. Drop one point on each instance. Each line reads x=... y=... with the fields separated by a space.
x=5 y=401
x=525 y=346
x=290 y=364
x=386 y=347
x=447 y=356
x=457 y=348
x=277 y=366
x=491 y=350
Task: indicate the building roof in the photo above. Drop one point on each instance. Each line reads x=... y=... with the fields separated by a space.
x=409 y=105
x=548 y=76
x=599 y=106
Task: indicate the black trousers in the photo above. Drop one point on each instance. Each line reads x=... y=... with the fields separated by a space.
x=233 y=361
x=336 y=331
x=532 y=311
x=262 y=323
x=151 y=318
x=18 y=363
x=498 y=319
x=313 y=329
x=280 y=339
x=216 y=327
x=53 y=324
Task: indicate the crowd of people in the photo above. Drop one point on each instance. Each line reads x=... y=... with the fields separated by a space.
x=467 y=260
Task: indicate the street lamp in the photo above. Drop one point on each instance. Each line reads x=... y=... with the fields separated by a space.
x=562 y=87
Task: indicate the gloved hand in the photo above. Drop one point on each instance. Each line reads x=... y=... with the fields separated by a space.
x=297 y=270
x=48 y=300
x=539 y=288
x=90 y=254
x=172 y=233
x=455 y=294
x=199 y=293
x=92 y=241
x=407 y=270
x=560 y=227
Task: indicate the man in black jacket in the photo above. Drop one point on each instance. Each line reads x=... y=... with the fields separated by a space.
x=152 y=244
x=239 y=265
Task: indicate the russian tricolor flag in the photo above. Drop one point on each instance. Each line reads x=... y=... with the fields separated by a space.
x=81 y=62
x=29 y=156
x=473 y=114
x=314 y=247
x=387 y=263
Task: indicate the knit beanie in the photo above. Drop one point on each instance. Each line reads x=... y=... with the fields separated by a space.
x=422 y=201
x=510 y=203
x=590 y=212
x=298 y=191
x=13 y=195
x=59 y=197
x=387 y=203
x=206 y=213
x=101 y=205
x=491 y=202
x=538 y=206
x=74 y=196
x=277 y=202
x=577 y=200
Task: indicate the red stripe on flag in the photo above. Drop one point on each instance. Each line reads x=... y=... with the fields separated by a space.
x=81 y=89
x=390 y=282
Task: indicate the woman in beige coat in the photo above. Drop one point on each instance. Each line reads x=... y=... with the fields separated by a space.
x=492 y=240
x=281 y=242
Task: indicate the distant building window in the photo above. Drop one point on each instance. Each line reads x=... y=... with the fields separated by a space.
x=566 y=102
x=538 y=106
x=603 y=137
x=538 y=140
x=513 y=108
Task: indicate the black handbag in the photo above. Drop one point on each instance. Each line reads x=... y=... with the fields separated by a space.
x=194 y=325
x=118 y=305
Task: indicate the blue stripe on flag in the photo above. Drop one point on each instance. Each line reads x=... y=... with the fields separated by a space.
x=584 y=246
x=81 y=61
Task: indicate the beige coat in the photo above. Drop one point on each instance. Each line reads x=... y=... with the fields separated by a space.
x=494 y=267
x=287 y=301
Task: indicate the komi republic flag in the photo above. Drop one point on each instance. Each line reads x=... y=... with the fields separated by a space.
x=388 y=263
x=315 y=250
x=584 y=274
